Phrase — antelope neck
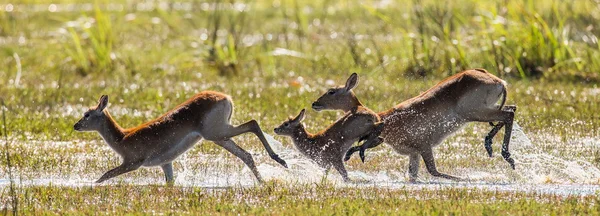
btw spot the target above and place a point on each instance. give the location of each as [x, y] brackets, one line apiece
[355, 103]
[301, 134]
[111, 132]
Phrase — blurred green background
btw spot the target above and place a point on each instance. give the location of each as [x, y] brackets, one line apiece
[275, 58]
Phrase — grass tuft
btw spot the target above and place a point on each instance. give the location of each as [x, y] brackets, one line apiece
[91, 44]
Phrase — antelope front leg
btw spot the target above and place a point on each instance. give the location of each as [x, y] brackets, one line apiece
[373, 140]
[168, 170]
[350, 152]
[430, 164]
[122, 169]
[339, 166]
[361, 148]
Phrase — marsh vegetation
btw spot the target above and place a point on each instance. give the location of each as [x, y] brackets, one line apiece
[59, 56]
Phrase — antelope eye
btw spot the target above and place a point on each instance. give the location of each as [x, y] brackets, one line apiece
[331, 92]
[286, 124]
[86, 115]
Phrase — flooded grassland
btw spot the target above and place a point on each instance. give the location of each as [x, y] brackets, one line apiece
[275, 59]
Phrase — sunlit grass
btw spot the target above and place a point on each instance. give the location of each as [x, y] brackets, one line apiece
[92, 43]
[275, 198]
[275, 58]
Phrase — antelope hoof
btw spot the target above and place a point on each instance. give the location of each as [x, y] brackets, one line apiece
[512, 163]
[347, 157]
[279, 160]
[362, 154]
[507, 158]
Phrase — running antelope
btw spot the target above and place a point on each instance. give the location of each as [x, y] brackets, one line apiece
[416, 125]
[160, 141]
[328, 147]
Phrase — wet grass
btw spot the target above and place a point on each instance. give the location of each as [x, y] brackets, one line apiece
[275, 198]
[274, 59]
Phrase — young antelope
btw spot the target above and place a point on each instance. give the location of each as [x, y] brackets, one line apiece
[328, 147]
[160, 141]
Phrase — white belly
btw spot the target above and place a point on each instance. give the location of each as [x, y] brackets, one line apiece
[170, 153]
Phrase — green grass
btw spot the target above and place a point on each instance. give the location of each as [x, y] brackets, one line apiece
[94, 53]
[275, 198]
[274, 59]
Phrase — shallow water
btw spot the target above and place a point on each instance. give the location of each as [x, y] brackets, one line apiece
[554, 189]
[537, 172]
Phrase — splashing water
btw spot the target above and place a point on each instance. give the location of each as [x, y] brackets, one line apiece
[533, 167]
[538, 167]
[537, 171]
[300, 168]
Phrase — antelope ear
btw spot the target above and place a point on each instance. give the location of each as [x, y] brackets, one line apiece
[351, 82]
[102, 102]
[300, 116]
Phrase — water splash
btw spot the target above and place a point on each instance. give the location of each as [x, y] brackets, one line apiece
[300, 168]
[537, 171]
[537, 167]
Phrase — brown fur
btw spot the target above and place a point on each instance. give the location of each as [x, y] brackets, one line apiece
[328, 147]
[160, 141]
[416, 125]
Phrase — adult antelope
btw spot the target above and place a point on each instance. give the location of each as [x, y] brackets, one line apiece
[159, 141]
[416, 125]
[328, 147]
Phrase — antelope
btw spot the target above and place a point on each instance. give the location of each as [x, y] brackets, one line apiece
[328, 147]
[160, 141]
[416, 125]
